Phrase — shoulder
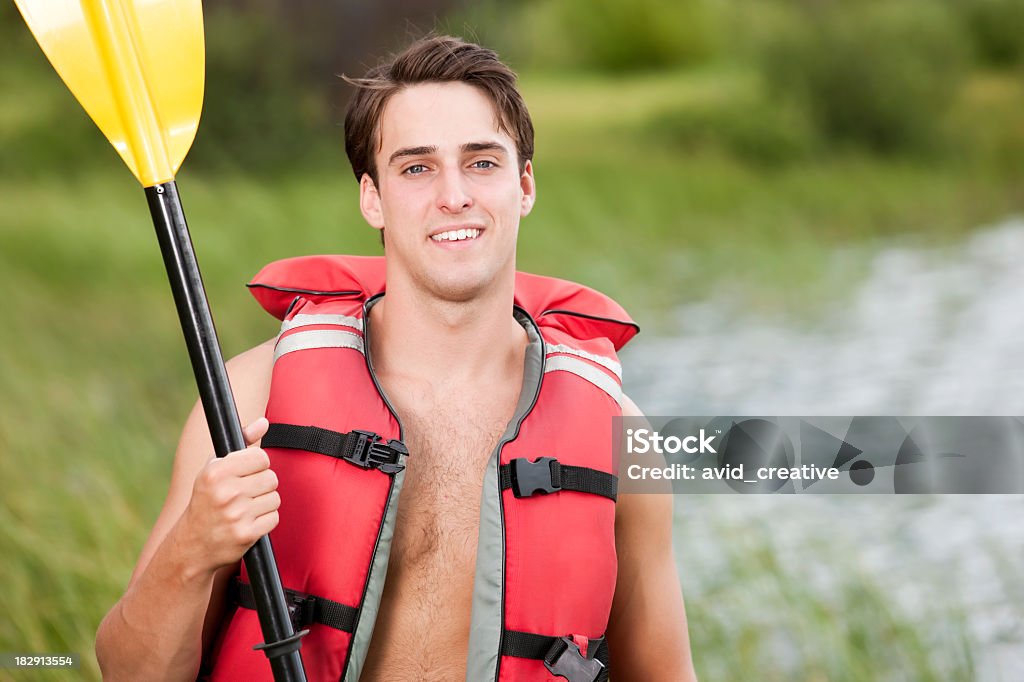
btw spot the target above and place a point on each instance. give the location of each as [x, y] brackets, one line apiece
[254, 365]
[257, 358]
[629, 408]
[249, 373]
[636, 513]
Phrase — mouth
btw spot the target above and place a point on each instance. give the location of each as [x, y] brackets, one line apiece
[457, 235]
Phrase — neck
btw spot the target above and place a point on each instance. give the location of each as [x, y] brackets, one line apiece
[421, 337]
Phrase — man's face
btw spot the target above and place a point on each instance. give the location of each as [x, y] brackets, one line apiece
[449, 191]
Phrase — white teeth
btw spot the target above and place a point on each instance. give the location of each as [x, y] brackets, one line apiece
[456, 235]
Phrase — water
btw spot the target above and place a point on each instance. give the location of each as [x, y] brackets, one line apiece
[935, 331]
[929, 332]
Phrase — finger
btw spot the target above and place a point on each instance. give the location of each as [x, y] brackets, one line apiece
[256, 430]
[245, 462]
[266, 523]
[264, 504]
[259, 483]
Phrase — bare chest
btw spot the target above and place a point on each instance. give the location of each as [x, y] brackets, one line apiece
[438, 512]
[429, 582]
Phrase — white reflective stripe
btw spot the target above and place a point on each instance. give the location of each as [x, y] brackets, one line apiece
[318, 338]
[584, 371]
[301, 320]
[610, 364]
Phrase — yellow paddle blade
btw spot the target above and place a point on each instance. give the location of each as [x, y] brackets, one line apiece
[136, 66]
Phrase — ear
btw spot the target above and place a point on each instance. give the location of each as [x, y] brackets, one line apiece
[369, 202]
[529, 189]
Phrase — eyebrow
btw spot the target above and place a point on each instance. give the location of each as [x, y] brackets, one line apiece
[469, 147]
[411, 151]
[484, 147]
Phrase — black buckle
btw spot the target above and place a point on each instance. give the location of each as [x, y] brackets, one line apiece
[301, 610]
[542, 476]
[564, 659]
[370, 452]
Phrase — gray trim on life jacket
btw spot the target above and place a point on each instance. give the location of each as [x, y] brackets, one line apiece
[370, 603]
[606, 362]
[487, 620]
[317, 338]
[303, 320]
[565, 363]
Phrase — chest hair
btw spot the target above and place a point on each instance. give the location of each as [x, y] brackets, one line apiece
[439, 510]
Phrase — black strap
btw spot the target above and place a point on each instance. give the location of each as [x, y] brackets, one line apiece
[548, 475]
[561, 656]
[362, 448]
[305, 609]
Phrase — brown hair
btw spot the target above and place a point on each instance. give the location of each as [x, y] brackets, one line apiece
[433, 59]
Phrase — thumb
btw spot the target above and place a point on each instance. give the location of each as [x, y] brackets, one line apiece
[256, 430]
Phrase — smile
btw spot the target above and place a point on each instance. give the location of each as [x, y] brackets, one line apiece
[456, 235]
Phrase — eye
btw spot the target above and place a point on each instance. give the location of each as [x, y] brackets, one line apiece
[483, 164]
[415, 169]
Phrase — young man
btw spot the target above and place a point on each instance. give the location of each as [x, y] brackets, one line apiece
[498, 564]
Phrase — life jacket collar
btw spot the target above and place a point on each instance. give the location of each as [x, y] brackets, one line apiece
[578, 310]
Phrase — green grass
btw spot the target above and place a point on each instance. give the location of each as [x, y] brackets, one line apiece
[626, 209]
[758, 611]
[95, 383]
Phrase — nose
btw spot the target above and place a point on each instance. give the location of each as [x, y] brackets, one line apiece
[452, 193]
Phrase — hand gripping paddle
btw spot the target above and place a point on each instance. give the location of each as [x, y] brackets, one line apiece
[136, 66]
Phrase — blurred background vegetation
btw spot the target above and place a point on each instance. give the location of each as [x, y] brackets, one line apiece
[683, 147]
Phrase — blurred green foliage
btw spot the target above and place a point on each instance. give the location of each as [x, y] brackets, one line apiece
[876, 76]
[879, 75]
[258, 90]
[996, 29]
[610, 35]
[751, 129]
[831, 76]
[273, 101]
[36, 134]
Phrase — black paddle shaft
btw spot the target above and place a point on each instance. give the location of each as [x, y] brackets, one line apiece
[282, 647]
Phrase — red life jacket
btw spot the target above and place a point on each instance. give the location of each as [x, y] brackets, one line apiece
[545, 568]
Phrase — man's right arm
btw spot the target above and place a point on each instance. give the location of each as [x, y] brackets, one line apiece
[214, 511]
